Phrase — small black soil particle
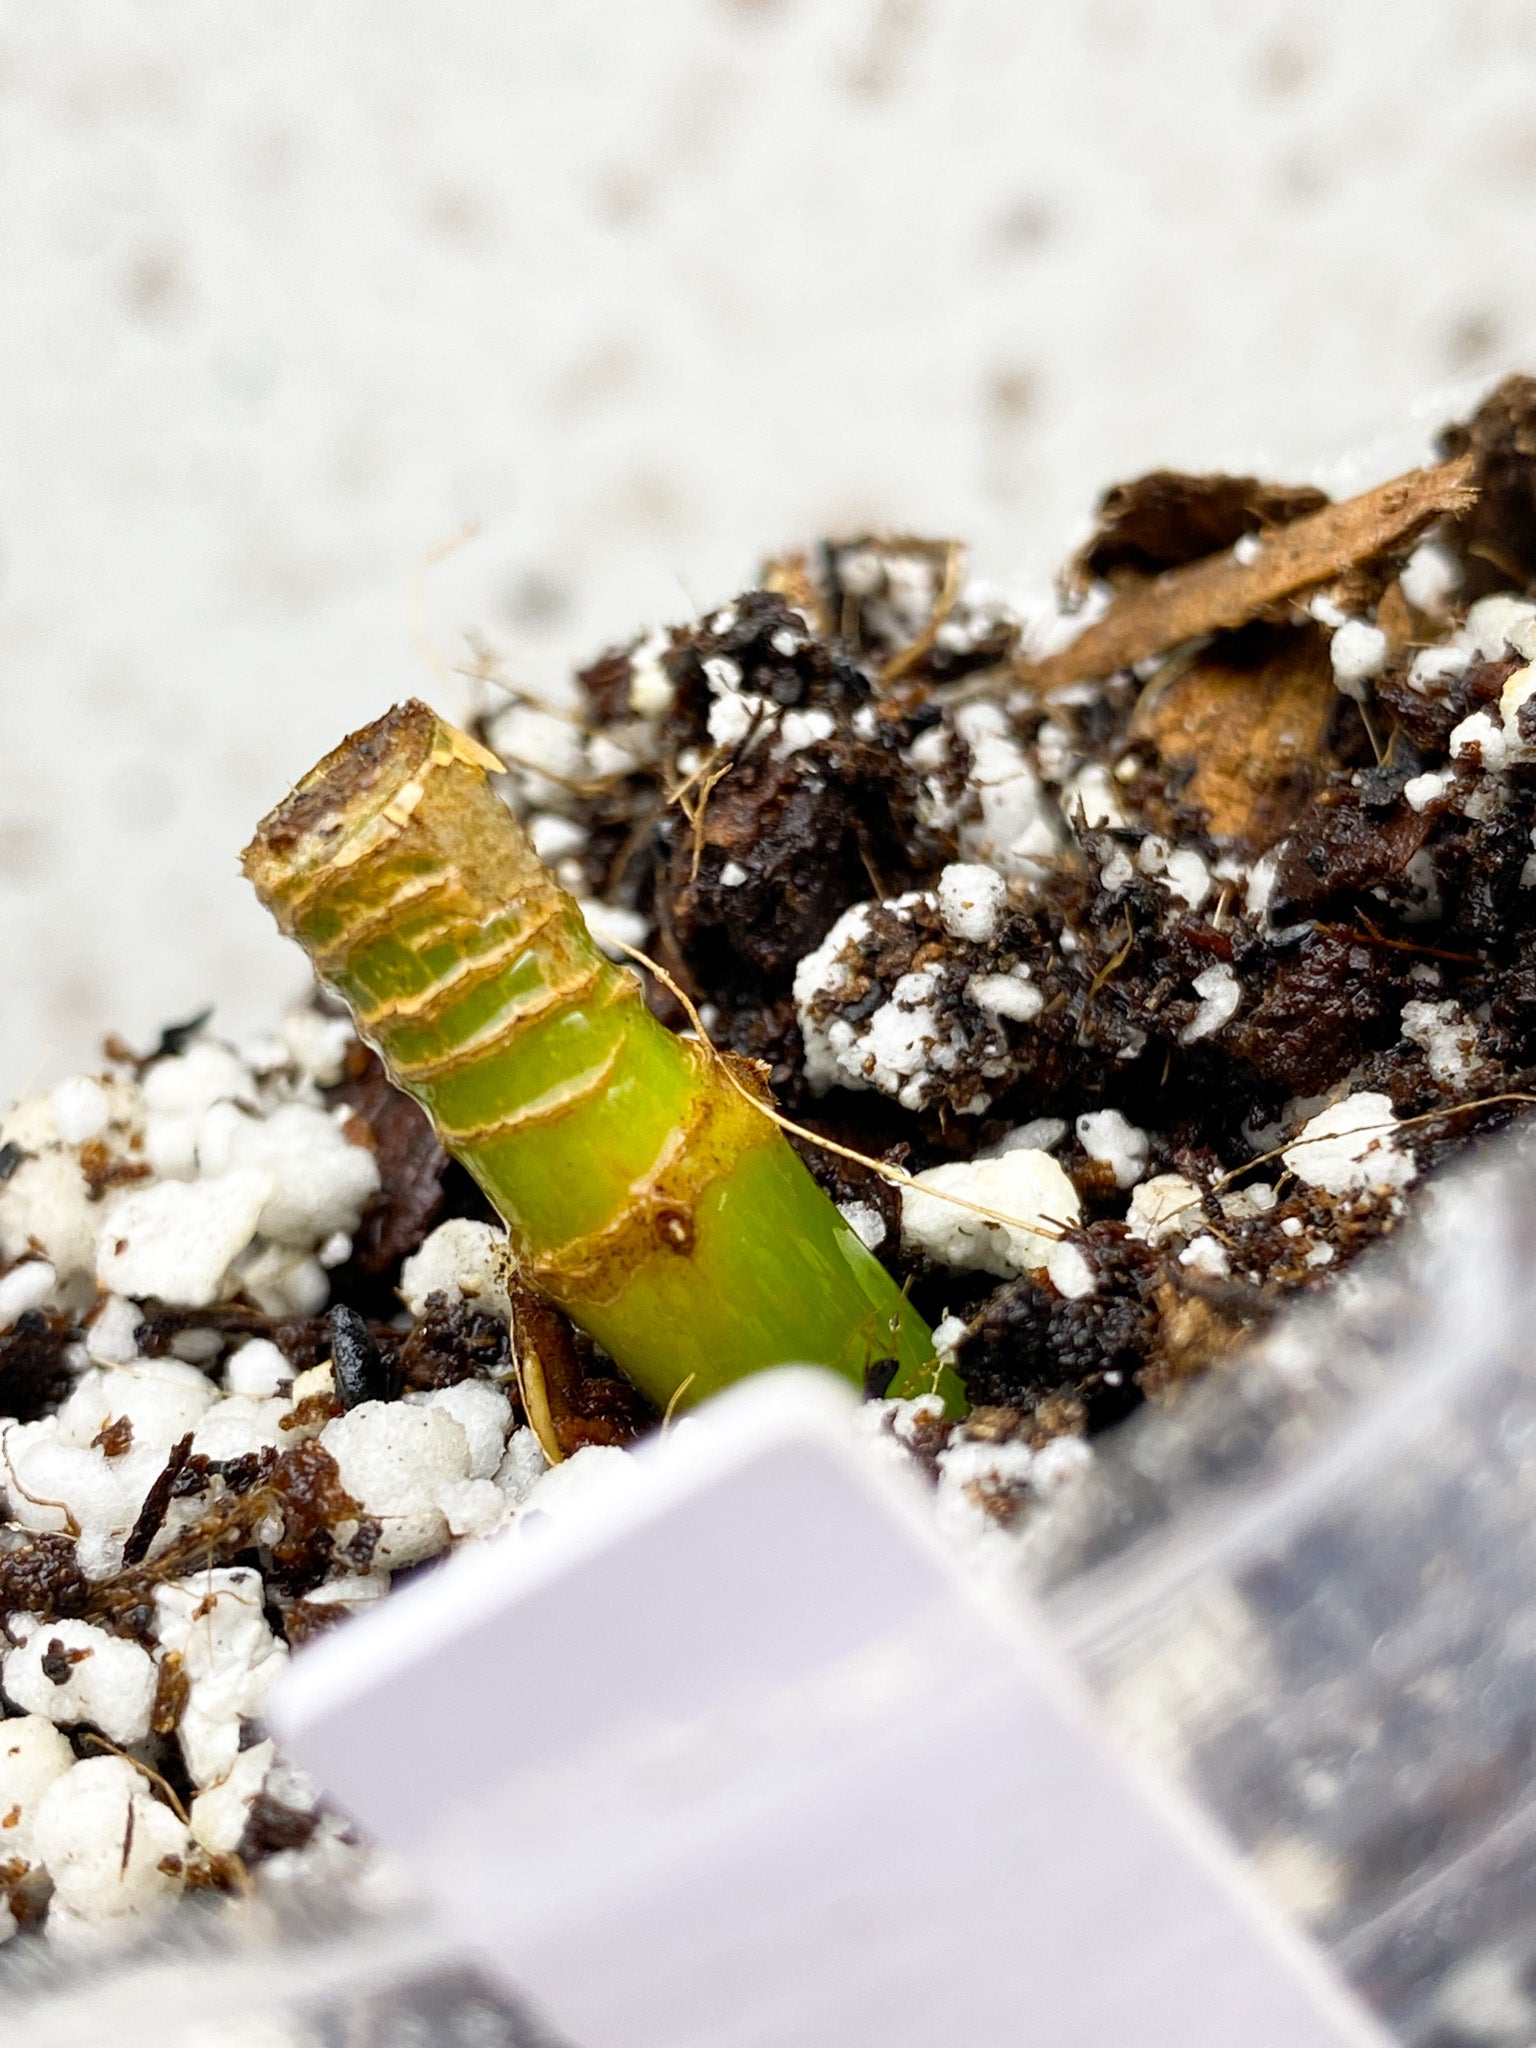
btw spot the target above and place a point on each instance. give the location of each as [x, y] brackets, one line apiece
[34, 1373]
[358, 1367]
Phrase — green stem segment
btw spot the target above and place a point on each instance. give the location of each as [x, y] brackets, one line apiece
[641, 1189]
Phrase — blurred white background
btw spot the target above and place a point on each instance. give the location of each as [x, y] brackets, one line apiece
[290, 293]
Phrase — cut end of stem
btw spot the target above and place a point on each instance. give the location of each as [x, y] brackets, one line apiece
[372, 778]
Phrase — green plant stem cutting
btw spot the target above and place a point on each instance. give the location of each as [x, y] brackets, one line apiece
[643, 1190]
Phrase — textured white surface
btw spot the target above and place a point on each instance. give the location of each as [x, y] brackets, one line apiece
[291, 293]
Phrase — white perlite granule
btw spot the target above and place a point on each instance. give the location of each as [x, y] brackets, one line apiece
[178, 1240]
[1018, 827]
[1423, 790]
[111, 1848]
[650, 687]
[81, 1109]
[800, 729]
[1447, 1036]
[970, 898]
[1024, 1185]
[1117, 873]
[1011, 995]
[1164, 1209]
[59, 1476]
[948, 1335]
[483, 1412]
[1358, 653]
[72, 1672]
[824, 973]
[1499, 625]
[1090, 802]
[1040, 1134]
[319, 1182]
[866, 1223]
[46, 1207]
[28, 1285]
[1206, 1256]
[1430, 576]
[1350, 1149]
[1432, 668]
[1241, 1205]
[220, 1812]
[595, 1471]
[33, 1752]
[215, 1623]
[258, 1370]
[735, 714]
[1220, 994]
[467, 1261]
[1183, 873]
[612, 927]
[555, 838]
[1107, 1137]
[394, 1458]
[544, 755]
[1261, 885]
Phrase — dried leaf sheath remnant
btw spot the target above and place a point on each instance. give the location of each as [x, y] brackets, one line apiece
[1243, 731]
[1167, 518]
[1224, 590]
[642, 1191]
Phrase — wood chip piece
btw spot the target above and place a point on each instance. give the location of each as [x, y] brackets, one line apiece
[1251, 736]
[1223, 591]
[1193, 1335]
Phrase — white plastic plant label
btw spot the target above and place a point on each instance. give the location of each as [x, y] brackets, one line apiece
[740, 1762]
